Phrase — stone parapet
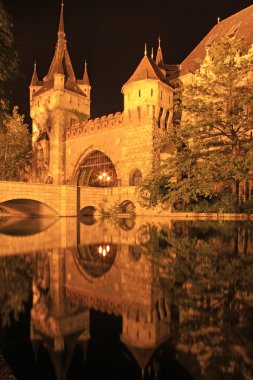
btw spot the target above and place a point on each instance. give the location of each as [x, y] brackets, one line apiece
[95, 125]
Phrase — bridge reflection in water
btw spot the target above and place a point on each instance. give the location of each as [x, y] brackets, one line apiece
[179, 295]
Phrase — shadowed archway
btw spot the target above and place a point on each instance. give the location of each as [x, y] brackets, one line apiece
[28, 207]
[95, 260]
[97, 170]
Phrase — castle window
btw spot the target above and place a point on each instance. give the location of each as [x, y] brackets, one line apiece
[139, 113]
[151, 91]
[49, 100]
[139, 93]
[72, 121]
[166, 120]
[159, 117]
[136, 178]
[70, 100]
[78, 102]
[38, 104]
[161, 95]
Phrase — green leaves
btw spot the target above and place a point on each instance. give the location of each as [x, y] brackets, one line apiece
[212, 130]
[15, 145]
[8, 55]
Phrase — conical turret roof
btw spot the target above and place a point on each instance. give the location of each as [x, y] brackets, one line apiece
[35, 80]
[147, 69]
[159, 56]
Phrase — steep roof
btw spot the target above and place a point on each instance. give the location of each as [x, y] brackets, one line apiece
[85, 80]
[159, 55]
[61, 64]
[147, 69]
[239, 24]
[35, 80]
[85, 76]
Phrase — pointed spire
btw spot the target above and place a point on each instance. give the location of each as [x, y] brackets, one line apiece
[159, 55]
[35, 79]
[145, 49]
[61, 33]
[85, 75]
[61, 63]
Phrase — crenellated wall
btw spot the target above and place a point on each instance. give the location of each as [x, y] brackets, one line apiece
[95, 125]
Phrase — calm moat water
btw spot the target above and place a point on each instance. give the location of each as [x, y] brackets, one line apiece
[126, 299]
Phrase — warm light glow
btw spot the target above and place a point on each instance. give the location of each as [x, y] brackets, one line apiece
[100, 177]
[103, 250]
[104, 174]
[108, 178]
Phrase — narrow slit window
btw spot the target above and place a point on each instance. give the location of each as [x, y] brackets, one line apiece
[159, 117]
[166, 120]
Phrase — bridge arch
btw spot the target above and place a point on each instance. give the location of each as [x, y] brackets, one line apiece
[88, 211]
[95, 169]
[127, 206]
[27, 206]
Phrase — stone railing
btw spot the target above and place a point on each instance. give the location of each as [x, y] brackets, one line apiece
[95, 125]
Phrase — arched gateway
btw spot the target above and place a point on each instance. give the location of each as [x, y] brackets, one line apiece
[97, 170]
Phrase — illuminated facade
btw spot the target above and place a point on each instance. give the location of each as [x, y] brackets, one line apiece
[119, 149]
[69, 148]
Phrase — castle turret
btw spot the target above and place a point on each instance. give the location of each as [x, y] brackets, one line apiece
[148, 90]
[35, 84]
[84, 84]
[148, 99]
[57, 102]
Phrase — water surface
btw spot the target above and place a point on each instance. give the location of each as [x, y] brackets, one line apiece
[127, 299]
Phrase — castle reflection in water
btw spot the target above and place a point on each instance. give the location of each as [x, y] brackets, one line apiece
[181, 292]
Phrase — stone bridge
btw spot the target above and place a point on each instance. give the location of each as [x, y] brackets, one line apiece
[35, 199]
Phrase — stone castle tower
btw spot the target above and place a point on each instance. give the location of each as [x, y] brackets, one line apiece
[71, 149]
[56, 102]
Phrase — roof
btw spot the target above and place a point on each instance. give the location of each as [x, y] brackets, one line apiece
[85, 80]
[142, 355]
[147, 69]
[61, 64]
[239, 24]
[35, 80]
[159, 57]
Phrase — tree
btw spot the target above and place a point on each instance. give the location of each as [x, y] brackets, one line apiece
[212, 130]
[8, 56]
[15, 146]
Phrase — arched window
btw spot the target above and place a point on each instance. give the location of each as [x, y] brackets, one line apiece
[135, 178]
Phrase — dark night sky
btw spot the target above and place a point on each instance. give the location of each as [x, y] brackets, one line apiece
[110, 34]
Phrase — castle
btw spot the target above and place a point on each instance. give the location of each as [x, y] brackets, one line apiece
[113, 150]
